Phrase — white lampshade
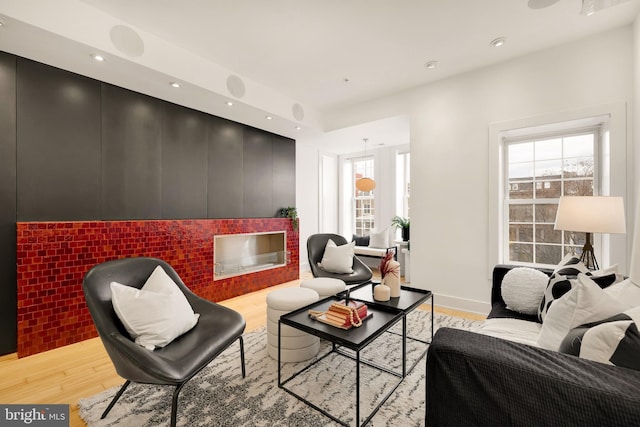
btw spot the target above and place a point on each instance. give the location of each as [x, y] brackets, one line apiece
[591, 214]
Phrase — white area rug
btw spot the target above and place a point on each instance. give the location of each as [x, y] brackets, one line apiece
[219, 396]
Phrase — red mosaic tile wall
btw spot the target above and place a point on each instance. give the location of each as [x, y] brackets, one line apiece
[53, 258]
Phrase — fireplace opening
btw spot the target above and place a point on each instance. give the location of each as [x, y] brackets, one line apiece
[237, 254]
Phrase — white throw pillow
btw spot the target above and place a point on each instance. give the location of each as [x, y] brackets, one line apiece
[565, 276]
[380, 239]
[156, 314]
[625, 292]
[338, 259]
[614, 341]
[585, 303]
[523, 289]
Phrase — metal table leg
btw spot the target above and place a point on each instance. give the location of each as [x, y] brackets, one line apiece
[358, 387]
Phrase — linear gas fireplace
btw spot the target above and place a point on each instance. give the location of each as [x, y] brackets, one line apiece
[237, 254]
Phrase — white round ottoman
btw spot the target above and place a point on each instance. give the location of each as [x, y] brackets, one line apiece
[296, 345]
[324, 286]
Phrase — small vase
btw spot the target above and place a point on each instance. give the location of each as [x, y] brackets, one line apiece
[393, 282]
[381, 293]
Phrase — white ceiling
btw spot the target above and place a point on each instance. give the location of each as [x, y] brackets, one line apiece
[295, 51]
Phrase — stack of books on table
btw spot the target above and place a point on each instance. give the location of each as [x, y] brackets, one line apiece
[341, 317]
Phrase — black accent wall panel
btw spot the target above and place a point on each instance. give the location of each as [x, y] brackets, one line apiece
[8, 289]
[258, 174]
[73, 148]
[59, 151]
[131, 155]
[225, 177]
[184, 162]
[284, 176]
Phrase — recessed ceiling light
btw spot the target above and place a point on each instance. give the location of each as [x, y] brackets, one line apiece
[98, 58]
[175, 84]
[498, 42]
[230, 104]
[298, 128]
[269, 117]
[431, 65]
[1, 24]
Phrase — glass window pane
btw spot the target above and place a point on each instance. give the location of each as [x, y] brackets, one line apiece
[521, 190]
[575, 238]
[520, 252]
[520, 152]
[578, 167]
[549, 149]
[520, 171]
[546, 234]
[520, 213]
[573, 250]
[544, 170]
[549, 168]
[521, 233]
[578, 187]
[578, 146]
[546, 213]
[548, 189]
[548, 254]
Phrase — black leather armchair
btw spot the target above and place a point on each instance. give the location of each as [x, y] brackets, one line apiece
[217, 328]
[315, 249]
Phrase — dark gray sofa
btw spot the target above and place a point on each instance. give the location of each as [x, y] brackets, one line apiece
[478, 380]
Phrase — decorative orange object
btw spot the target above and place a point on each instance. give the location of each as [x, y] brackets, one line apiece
[365, 184]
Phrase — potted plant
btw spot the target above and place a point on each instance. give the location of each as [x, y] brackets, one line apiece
[403, 224]
[292, 213]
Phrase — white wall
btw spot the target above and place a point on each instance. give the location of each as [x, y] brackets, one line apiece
[449, 148]
[635, 112]
[307, 183]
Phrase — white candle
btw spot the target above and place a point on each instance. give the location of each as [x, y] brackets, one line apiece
[381, 293]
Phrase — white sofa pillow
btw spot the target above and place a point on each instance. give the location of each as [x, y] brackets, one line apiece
[585, 303]
[626, 292]
[157, 313]
[523, 288]
[380, 239]
[613, 341]
[564, 278]
[338, 259]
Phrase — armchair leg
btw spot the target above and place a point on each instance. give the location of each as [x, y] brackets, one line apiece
[242, 355]
[174, 404]
[115, 398]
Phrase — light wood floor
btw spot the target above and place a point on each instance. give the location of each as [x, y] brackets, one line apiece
[66, 374]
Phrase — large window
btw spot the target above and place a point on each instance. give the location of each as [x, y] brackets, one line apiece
[540, 169]
[363, 201]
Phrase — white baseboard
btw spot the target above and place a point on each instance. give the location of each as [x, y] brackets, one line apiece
[304, 267]
[456, 303]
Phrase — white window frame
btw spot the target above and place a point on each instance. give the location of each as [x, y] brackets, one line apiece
[369, 173]
[596, 131]
[615, 155]
[403, 181]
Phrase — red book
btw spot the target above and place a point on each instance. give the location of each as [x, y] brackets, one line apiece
[342, 316]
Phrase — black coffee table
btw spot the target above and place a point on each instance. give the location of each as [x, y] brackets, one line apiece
[384, 316]
[410, 299]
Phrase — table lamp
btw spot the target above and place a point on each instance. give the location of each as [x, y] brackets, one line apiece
[590, 214]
